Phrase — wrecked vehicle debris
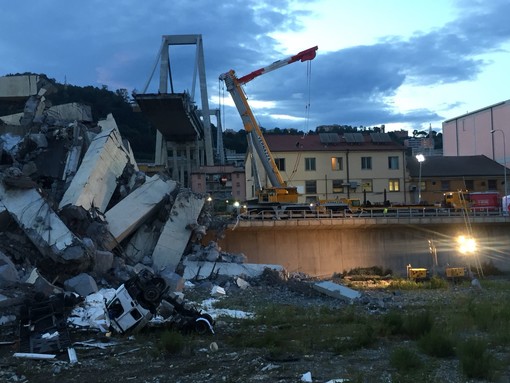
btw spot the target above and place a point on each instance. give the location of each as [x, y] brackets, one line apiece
[136, 302]
[189, 319]
[42, 325]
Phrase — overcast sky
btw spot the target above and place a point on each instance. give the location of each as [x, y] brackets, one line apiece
[405, 64]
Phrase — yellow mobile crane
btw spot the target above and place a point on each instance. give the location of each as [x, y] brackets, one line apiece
[279, 192]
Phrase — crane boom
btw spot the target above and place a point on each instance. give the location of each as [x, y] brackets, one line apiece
[306, 55]
[280, 191]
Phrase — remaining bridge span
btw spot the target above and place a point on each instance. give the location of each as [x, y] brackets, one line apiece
[172, 114]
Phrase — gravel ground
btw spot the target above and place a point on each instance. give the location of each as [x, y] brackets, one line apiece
[138, 358]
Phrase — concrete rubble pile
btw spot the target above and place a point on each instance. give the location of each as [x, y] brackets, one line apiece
[76, 214]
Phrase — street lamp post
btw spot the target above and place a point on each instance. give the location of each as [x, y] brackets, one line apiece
[504, 159]
[420, 158]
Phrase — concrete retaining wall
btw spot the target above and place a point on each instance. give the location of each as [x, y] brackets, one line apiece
[324, 250]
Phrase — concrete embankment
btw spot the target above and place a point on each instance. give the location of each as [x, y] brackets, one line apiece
[322, 247]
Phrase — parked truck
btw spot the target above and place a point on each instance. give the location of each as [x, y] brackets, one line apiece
[485, 200]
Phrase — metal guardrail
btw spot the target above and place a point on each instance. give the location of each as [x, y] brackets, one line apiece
[389, 213]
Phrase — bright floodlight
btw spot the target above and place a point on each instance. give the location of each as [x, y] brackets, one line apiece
[420, 158]
[236, 204]
[209, 199]
[466, 245]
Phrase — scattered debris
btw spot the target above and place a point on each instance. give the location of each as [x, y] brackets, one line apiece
[27, 355]
[337, 291]
[80, 222]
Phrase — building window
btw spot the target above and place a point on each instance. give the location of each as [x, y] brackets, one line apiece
[311, 187]
[238, 184]
[366, 185]
[309, 164]
[423, 185]
[337, 163]
[338, 186]
[393, 162]
[366, 163]
[394, 185]
[492, 184]
[280, 164]
[470, 185]
[445, 185]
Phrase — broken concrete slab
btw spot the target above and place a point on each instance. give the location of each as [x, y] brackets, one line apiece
[241, 283]
[218, 291]
[41, 285]
[175, 235]
[69, 112]
[141, 244]
[203, 270]
[103, 262]
[34, 108]
[16, 87]
[80, 142]
[12, 119]
[96, 179]
[336, 291]
[131, 212]
[42, 225]
[82, 284]
[8, 273]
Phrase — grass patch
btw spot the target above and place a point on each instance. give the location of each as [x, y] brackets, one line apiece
[299, 329]
[368, 271]
[172, 342]
[405, 360]
[361, 337]
[393, 323]
[437, 343]
[287, 331]
[417, 324]
[408, 284]
[475, 359]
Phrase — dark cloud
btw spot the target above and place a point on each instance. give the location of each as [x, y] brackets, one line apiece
[116, 43]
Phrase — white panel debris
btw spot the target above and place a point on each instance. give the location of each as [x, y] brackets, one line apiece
[131, 212]
[176, 233]
[103, 163]
[39, 222]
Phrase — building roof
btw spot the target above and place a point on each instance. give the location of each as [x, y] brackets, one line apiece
[455, 166]
[476, 111]
[331, 142]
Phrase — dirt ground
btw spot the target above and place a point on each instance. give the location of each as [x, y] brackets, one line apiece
[140, 358]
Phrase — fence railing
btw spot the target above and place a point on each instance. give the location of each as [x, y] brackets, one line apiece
[390, 213]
